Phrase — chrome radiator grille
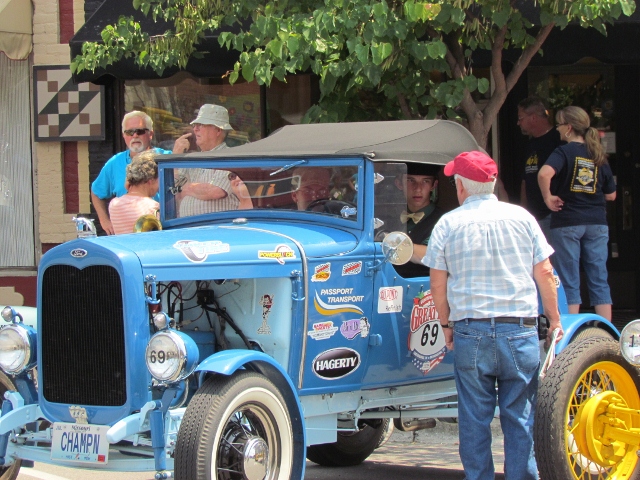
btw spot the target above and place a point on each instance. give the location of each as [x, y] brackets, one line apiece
[82, 336]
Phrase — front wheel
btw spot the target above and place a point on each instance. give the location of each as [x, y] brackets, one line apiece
[235, 428]
[571, 435]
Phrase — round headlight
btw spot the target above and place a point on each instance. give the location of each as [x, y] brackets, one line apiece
[630, 342]
[171, 356]
[17, 348]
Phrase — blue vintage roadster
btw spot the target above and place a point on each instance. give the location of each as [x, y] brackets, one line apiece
[235, 344]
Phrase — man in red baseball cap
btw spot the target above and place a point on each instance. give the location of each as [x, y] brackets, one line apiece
[486, 258]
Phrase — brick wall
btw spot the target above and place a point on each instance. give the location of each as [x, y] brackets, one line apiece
[50, 47]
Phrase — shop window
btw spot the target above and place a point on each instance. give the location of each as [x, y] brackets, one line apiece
[173, 103]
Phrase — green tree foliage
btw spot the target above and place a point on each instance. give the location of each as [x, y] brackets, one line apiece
[375, 58]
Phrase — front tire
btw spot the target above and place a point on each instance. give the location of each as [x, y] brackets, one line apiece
[235, 428]
[567, 445]
[11, 472]
[351, 448]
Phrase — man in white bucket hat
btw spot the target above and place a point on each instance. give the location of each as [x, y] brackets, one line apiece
[210, 128]
[208, 190]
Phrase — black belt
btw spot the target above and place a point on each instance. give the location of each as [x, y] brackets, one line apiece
[528, 321]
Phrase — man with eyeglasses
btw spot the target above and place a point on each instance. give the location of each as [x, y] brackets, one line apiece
[534, 121]
[209, 190]
[137, 131]
[310, 184]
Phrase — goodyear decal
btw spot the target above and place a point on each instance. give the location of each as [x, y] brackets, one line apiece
[325, 309]
[426, 340]
[322, 273]
[280, 253]
[199, 251]
[352, 268]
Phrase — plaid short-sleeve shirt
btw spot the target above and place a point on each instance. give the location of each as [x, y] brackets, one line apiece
[489, 249]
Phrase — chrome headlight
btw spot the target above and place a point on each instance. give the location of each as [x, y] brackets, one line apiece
[630, 342]
[171, 356]
[18, 346]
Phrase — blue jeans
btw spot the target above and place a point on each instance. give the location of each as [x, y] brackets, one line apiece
[486, 353]
[589, 244]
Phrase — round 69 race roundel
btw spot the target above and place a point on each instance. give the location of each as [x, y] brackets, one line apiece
[426, 340]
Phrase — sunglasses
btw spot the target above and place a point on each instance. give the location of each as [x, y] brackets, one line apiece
[137, 131]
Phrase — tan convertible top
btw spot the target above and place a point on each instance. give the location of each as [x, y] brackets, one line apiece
[422, 141]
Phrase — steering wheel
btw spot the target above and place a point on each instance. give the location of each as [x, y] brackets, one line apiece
[327, 205]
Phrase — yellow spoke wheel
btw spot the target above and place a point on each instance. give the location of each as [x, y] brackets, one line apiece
[575, 436]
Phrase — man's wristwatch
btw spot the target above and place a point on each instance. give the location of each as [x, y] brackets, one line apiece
[446, 325]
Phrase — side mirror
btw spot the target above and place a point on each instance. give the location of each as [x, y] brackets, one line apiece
[397, 248]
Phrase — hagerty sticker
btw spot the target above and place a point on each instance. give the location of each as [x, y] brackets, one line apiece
[426, 340]
[322, 330]
[280, 253]
[390, 300]
[322, 273]
[199, 251]
[336, 363]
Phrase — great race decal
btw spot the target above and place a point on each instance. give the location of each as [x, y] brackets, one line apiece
[426, 340]
[322, 273]
[280, 253]
[267, 302]
[198, 252]
[336, 363]
[390, 300]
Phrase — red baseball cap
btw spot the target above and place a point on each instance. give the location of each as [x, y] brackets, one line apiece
[473, 165]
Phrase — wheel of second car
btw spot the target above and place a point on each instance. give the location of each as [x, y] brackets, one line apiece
[352, 448]
[11, 472]
[582, 414]
[235, 428]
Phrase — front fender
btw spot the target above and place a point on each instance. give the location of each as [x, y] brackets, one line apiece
[229, 361]
[572, 323]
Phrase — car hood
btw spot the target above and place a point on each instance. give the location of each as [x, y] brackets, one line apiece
[234, 250]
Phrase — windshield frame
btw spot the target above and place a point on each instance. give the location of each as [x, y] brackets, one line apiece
[168, 221]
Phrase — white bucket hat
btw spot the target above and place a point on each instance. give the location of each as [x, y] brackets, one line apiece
[210, 114]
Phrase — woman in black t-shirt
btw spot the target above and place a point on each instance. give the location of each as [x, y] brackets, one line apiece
[576, 181]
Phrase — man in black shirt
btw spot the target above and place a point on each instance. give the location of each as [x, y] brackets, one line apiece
[534, 121]
[421, 216]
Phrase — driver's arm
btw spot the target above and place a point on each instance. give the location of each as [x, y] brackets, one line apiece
[419, 252]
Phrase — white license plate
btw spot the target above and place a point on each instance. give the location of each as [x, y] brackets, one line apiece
[74, 442]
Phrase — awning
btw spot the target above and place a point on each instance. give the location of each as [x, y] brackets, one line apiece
[16, 28]
[216, 61]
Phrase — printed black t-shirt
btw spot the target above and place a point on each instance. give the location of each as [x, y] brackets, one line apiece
[537, 153]
[581, 185]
